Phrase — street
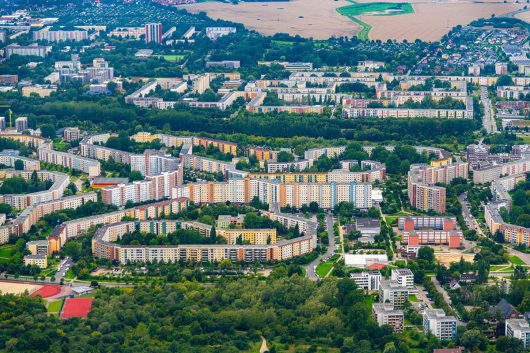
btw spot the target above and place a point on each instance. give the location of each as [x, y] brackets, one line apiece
[63, 268]
[488, 120]
[310, 267]
[445, 295]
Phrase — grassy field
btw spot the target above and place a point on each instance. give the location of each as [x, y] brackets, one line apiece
[5, 253]
[173, 58]
[55, 307]
[281, 43]
[324, 268]
[516, 260]
[69, 274]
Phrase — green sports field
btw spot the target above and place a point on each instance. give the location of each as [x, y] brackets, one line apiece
[373, 9]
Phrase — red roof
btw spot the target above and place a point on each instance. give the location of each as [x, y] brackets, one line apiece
[376, 267]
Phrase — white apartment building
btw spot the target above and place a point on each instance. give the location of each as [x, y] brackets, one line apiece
[367, 280]
[520, 329]
[404, 277]
[438, 324]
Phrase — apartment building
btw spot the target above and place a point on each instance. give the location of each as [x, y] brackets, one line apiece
[289, 220]
[21, 124]
[439, 325]
[128, 32]
[153, 33]
[39, 90]
[72, 134]
[404, 277]
[21, 201]
[103, 246]
[50, 35]
[248, 236]
[27, 50]
[330, 152]
[89, 166]
[520, 329]
[327, 195]
[38, 247]
[422, 192]
[153, 162]
[8, 159]
[206, 164]
[223, 146]
[385, 314]
[369, 281]
[36, 260]
[492, 172]
[391, 292]
[151, 189]
[215, 32]
[284, 167]
[32, 214]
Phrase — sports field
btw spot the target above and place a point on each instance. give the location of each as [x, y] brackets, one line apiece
[47, 291]
[18, 287]
[173, 58]
[76, 307]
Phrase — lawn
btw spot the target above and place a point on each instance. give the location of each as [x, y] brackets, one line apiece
[324, 268]
[5, 251]
[281, 42]
[69, 274]
[413, 298]
[55, 307]
[516, 260]
[173, 58]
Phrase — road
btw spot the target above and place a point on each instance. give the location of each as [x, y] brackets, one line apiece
[488, 120]
[310, 267]
[63, 268]
[445, 295]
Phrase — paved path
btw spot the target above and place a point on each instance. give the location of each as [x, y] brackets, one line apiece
[263, 347]
[310, 267]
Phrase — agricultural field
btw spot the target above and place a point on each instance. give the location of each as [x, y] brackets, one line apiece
[388, 19]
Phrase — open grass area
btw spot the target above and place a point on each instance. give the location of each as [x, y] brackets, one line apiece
[516, 260]
[55, 307]
[69, 274]
[324, 268]
[5, 253]
[281, 42]
[413, 298]
[373, 9]
[173, 58]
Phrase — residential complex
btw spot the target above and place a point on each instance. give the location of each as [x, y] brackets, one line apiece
[89, 166]
[369, 281]
[392, 292]
[423, 194]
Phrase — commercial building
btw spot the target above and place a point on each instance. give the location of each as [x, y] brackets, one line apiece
[520, 329]
[365, 260]
[391, 292]
[418, 230]
[369, 281]
[439, 325]
[385, 314]
[226, 64]
[368, 227]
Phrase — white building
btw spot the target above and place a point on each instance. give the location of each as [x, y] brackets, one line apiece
[391, 292]
[438, 324]
[404, 277]
[520, 329]
[364, 260]
[367, 280]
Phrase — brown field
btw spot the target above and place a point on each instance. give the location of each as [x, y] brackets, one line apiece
[453, 256]
[17, 288]
[430, 21]
[320, 20]
[525, 16]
